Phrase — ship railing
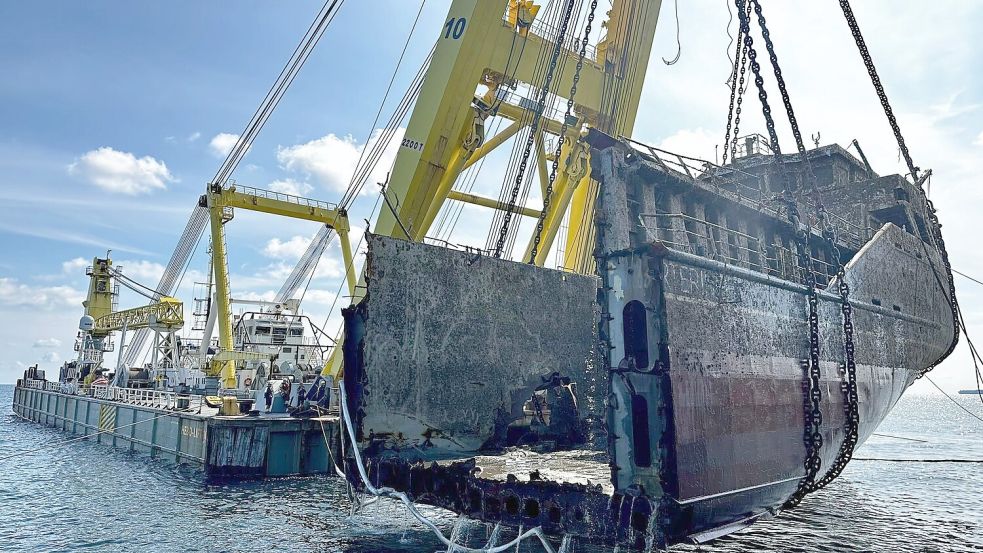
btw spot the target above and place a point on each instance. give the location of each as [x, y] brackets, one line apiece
[157, 399]
[36, 384]
[696, 236]
[280, 196]
[692, 235]
[749, 189]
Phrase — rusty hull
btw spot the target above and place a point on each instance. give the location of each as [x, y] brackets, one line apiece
[694, 425]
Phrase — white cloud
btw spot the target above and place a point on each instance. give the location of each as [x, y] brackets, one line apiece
[194, 136]
[222, 143]
[51, 357]
[47, 343]
[121, 172]
[289, 249]
[292, 187]
[145, 272]
[331, 159]
[979, 140]
[16, 294]
[75, 266]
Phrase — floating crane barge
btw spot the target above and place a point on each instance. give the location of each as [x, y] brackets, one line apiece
[719, 340]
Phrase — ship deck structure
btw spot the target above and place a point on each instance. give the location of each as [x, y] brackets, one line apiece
[711, 346]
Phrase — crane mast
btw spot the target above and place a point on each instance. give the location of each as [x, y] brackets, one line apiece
[486, 51]
[445, 134]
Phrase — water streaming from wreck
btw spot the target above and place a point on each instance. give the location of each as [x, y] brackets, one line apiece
[88, 496]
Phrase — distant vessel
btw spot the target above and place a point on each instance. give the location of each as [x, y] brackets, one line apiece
[971, 392]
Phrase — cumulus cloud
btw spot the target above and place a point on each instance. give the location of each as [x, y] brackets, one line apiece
[979, 140]
[289, 249]
[292, 187]
[194, 136]
[47, 343]
[222, 143]
[17, 294]
[331, 159]
[145, 272]
[74, 266]
[121, 172]
[51, 357]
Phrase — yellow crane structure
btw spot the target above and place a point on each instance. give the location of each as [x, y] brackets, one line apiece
[164, 316]
[487, 50]
[445, 134]
[221, 202]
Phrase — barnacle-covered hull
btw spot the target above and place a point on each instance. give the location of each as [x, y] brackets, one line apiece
[666, 400]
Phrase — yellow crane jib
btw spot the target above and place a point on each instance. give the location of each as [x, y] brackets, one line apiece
[219, 200]
[166, 314]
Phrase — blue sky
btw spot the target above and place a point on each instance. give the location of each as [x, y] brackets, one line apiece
[112, 115]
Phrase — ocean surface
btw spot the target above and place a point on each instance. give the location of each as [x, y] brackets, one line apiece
[82, 496]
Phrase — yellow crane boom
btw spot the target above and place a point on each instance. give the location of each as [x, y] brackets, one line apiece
[221, 202]
[166, 314]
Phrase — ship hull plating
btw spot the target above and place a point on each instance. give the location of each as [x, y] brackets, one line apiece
[696, 427]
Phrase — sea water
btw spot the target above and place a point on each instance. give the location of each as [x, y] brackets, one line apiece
[83, 496]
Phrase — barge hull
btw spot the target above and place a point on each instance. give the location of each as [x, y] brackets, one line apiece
[228, 447]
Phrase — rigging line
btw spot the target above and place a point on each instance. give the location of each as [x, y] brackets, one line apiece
[243, 145]
[553, 96]
[133, 285]
[950, 398]
[392, 80]
[388, 492]
[679, 46]
[411, 94]
[385, 197]
[964, 275]
[283, 71]
[271, 102]
[351, 265]
[899, 438]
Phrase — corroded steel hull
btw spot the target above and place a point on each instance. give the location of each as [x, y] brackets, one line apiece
[696, 426]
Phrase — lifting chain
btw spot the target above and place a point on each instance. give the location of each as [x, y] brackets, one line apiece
[567, 117]
[534, 129]
[878, 87]
[936, 229]
[812, 433]
[736, 91]
[849, 386]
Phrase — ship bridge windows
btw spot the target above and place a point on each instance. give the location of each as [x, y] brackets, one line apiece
[296, 331]
[634, 326]
[261, 331]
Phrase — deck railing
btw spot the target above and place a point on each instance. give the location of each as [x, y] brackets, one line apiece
[147, 398]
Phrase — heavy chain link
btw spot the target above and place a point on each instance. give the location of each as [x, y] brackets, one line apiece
[534, 128]
[812, 413]
[936, 229]
[849, 368]
[878, 87]
[736, 92]
[851, 404]
[547, 197]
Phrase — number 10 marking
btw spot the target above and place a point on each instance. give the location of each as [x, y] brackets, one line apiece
[455, 27]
